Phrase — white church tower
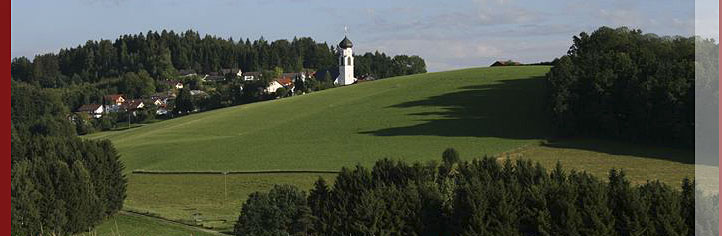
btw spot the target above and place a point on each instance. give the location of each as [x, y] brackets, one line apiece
[345, 63]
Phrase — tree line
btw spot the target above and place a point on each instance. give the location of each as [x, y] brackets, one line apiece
[60, 184]
[162, 54]
[140, 65]
[477, 197]
[623, 84]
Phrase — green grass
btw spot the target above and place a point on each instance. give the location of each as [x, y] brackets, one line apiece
[477, 111]
[598, 157]
[123, 224]
[208, 200]
[483, 111]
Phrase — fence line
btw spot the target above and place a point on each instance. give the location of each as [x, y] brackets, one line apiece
[160, 172]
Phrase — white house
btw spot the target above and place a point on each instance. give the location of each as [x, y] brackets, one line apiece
[345, 63]
[94, 110]
[251, 76]
[273, 86]
[115, 99]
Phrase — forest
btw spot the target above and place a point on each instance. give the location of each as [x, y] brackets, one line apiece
[626, 85]
[477, 197]
[61, 184]
[139, 66]
[162, 54]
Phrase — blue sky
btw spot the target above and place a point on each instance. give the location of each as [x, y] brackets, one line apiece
[447, 34]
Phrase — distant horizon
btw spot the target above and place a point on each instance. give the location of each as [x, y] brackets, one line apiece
[450, 36]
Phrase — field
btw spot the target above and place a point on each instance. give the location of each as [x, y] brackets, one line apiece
[206, 200]
[484, 111]
[128, 224]
[478, 111]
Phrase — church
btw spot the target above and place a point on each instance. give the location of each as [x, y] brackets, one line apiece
[345, 63]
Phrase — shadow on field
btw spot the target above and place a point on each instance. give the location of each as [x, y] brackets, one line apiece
[512, 108]
[621, 148]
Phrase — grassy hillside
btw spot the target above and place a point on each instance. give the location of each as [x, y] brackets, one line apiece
[127, 224]
[207, 200]
[484, 111]
[477, 111]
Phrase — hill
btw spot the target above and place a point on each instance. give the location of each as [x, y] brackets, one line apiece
[483, 111]
[498, 111]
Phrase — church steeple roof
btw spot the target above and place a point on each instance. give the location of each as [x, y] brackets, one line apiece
[345, 43]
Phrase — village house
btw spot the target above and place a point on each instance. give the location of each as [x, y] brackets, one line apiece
[301, 75]
[214, 78]
[94, 110]
[132, 105]
[506, 63]
[237, 72]
[283, 82]
[174, 84]
[247, 76]
[114, 99]
[163, 98]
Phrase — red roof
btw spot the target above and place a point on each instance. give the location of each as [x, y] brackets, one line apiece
[113, 97]
[285, 81]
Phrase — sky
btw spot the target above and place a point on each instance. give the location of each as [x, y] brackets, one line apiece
[447, 34]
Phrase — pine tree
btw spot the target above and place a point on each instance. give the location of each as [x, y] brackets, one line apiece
[687, 200]
[24, 201]
[318, 201]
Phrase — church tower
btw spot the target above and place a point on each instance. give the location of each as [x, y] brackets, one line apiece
[345, 63]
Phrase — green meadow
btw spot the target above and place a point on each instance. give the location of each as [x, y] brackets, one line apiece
[498, 112]
[482, 111]
[128, 224]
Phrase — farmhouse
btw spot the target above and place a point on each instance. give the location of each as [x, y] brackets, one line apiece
[506, 63]
[251, 75]
[132, 105]
[235, 71]
[300, 75]
[273, 86]
[162, 97]
[214, 78]
[94, 110]
[114, 99]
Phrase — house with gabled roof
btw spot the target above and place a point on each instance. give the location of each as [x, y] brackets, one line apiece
[251, 75]
[114, 99]
[94, 110]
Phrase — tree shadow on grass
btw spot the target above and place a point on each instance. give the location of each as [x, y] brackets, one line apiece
[512, 109]
[627, 149]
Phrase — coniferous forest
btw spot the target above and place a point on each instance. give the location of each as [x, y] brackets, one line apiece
[61, 184]
[477, 197]
[139, 66]
[162, 54]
